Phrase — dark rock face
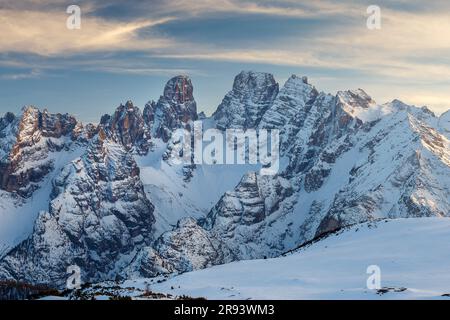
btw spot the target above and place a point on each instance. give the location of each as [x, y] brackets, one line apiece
[243, 107]
[99, 215]
[127, 126]
[175, 109]
[28, 143]
[244, 205]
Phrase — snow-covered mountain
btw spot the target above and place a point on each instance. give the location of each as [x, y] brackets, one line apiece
[110, 199]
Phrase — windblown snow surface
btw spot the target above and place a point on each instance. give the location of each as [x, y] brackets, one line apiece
[412, 255]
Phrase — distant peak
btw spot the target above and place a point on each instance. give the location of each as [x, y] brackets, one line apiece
[426, 110]
[8, 117]
[294, 77]
[126, 108]
[356, 98]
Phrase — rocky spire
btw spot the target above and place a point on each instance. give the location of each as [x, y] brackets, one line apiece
[176, 108]
[126, 126]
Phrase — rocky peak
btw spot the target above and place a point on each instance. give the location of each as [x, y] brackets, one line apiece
[426, 110]
[352, 109]
[176, 108]
[49, 124]
[243, 107]
[248, 80]
[179, 90]
[178, 93]
[28, 142]
[398, 105]
[126, 126]
[7, 119]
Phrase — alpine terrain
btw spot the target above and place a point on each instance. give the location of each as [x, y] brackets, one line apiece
[111, 198]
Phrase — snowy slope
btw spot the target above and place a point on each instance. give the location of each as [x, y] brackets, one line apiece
[411, 253]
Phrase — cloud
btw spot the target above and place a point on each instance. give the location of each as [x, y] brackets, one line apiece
[45, 33]
[406, 47]
[287, 8]
[34, 73]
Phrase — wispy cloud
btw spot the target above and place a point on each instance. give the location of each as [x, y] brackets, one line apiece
[34, 73]
[45, 33]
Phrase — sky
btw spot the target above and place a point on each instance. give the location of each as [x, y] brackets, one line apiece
[127, 50]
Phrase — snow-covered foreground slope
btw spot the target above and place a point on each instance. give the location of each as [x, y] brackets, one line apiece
[411, 253]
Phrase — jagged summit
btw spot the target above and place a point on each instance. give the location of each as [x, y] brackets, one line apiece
[176, 108]
[243, 107]
[246, 80]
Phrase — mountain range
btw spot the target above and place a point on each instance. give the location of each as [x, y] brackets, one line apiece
[109, 197]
